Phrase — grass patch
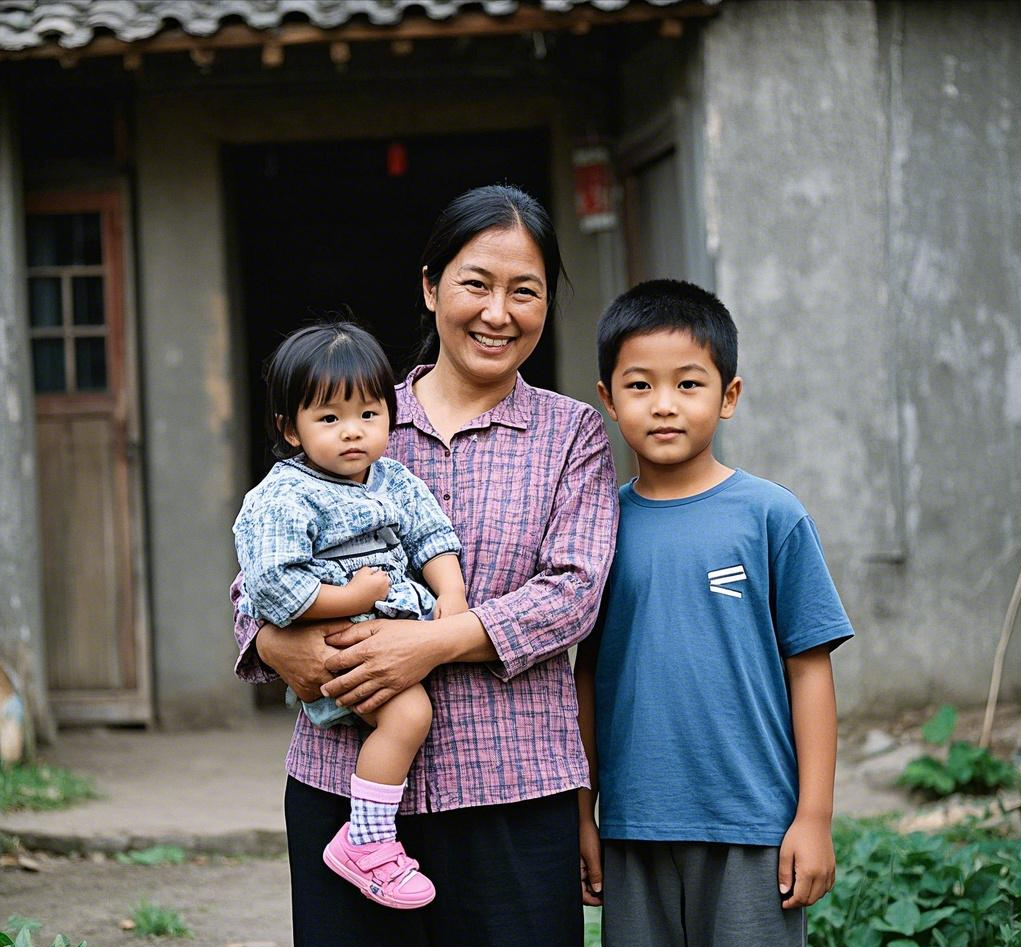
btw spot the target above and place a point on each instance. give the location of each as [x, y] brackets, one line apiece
[157, 855]
[41, 787]
[153, 920]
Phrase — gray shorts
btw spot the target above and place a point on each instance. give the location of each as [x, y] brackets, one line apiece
[695, 894]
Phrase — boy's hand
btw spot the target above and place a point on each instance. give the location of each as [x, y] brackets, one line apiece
[808, 866]
[452, 603]
[591, 863]
[371, 585]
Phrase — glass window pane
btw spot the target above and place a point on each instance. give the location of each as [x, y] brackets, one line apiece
[49, 240]
[90, 363]
[44, 301]
[86, 240]
[48, 365]
[64, 239]
[87, 292]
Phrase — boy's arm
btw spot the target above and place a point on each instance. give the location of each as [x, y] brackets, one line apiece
[443, 573]
[591, 853]
[807, 864]
[367, 586]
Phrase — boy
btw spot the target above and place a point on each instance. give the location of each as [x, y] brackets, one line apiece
[707, 683]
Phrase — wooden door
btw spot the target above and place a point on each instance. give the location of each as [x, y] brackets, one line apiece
[96, 649]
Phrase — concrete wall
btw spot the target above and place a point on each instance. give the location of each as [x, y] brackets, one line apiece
[863, 225]
[21, 627]
[194, 400]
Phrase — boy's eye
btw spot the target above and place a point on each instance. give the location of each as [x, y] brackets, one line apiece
[688, 384]
[637, 385]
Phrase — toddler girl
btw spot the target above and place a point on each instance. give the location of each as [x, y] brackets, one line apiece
[331, 532]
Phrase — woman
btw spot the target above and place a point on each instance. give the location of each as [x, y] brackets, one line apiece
[526, 477]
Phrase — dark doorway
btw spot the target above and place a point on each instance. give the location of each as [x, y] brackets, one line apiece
[320, 224]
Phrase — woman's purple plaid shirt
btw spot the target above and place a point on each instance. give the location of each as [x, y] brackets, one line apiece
[530, 489]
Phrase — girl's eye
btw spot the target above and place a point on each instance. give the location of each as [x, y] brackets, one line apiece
[637, 385]
[328, 418]
[368, 415]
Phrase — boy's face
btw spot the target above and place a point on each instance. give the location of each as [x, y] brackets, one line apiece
[667, 396]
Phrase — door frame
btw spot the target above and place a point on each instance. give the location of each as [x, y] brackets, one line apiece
[112, 705]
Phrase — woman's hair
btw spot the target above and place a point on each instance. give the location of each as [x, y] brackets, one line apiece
[496, 206]
[315, 364]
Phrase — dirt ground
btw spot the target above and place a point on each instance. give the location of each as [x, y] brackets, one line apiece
[243, 902]
[235, 902]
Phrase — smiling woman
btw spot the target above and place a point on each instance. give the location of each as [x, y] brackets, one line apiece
[526, 477]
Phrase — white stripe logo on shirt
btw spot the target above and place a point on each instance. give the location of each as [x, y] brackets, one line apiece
[719, 579]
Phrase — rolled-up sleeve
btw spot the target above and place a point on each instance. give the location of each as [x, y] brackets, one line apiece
[558, 606]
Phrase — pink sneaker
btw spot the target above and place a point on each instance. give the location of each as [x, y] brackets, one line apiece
[380, 870]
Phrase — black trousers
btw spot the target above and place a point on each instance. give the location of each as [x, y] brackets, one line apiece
[505, 876]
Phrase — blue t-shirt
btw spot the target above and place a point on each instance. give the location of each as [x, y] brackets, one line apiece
[707, 596]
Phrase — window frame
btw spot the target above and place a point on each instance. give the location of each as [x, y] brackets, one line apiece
[108, 205]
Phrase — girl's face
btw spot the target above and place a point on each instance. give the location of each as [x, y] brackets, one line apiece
[342, 436]
[490, 305]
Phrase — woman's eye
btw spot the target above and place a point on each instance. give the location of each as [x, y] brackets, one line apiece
[526, 291]
[474, 284]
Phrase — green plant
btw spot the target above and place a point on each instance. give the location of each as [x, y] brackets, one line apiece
[19, 932]
[152, 920]
[37, 786]
[157, 855]
[967, 768]
[919, 891]
[593, 927]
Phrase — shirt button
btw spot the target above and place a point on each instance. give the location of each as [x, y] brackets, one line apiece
[446, 496]
[446, 453]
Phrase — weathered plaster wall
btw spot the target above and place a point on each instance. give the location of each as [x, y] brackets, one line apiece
[194, 400]
[954, 97]
[21, 628]
[863, 222]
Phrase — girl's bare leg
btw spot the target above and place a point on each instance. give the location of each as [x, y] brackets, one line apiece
[400, 728]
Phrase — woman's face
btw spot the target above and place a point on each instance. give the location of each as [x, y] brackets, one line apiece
[490, 305]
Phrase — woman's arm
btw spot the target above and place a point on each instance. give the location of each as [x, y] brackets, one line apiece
[297, 654]
[558, 606]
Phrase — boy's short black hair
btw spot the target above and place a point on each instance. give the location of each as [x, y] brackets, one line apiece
[670, 305]
[314, 364]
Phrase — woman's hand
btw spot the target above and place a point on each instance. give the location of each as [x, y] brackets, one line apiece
[380, 658]
[298, 654]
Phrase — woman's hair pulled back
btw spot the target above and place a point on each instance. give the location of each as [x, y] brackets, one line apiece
[495, 206]
[313, 365]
